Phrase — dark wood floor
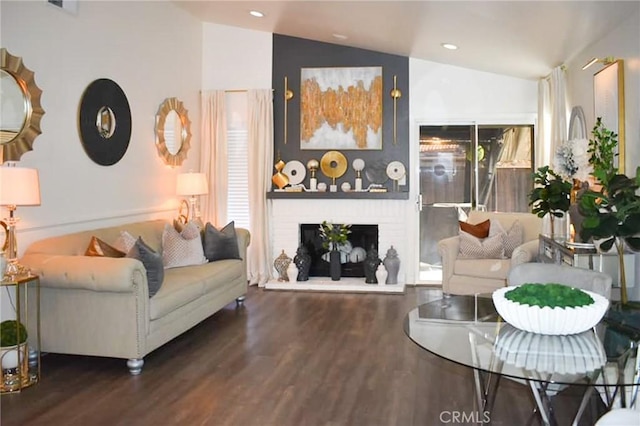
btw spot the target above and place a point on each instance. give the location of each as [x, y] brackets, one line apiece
[286, 358]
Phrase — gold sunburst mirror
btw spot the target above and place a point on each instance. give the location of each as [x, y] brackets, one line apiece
[173, 132]
[20, 112]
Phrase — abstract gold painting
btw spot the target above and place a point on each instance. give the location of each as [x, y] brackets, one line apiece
[341, 108]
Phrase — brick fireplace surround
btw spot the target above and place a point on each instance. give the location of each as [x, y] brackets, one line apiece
[389, 215]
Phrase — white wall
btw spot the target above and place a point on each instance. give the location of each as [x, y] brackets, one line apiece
[153, 51]
[622, 43]
[235, 59]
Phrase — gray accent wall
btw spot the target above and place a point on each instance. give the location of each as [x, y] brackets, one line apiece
[290, 55]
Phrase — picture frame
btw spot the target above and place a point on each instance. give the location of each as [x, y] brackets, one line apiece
[341, 108]
[608, 91]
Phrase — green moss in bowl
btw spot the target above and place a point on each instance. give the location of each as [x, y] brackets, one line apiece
[552, 295]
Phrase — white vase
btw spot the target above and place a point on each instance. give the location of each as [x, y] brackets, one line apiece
[292, 272]
[381, 274]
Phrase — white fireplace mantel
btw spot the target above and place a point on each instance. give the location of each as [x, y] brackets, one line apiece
[389, 215]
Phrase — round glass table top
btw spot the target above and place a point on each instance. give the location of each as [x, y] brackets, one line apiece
[468, 331]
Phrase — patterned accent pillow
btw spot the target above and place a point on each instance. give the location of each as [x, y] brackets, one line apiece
[182, 248]
[479, 248]
[125, 242]
[222, 244]
[152, 262]
[511, 238]
[478, 230]
[99, 248]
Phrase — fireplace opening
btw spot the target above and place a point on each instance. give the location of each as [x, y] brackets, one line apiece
[361, 239]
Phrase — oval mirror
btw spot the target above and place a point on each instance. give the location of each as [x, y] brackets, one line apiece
[20, 109]
[106, 122]
[577, 124]
[173, 132]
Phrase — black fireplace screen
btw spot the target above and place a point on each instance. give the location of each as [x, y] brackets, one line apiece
[362, 238]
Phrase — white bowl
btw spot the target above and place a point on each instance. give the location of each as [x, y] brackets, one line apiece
[554, 321]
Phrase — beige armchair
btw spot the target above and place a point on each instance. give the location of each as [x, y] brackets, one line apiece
[470, 276]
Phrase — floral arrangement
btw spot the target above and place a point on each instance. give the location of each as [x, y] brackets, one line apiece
[333, 235]
[571, 160]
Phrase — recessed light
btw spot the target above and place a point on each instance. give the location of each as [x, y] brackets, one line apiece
[339, 36]
[449, 46]
[256, 13]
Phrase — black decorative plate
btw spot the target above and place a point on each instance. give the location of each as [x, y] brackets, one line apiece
[105, 122]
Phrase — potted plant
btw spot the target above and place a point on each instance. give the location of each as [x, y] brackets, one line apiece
[333, 236]
[551, 196]
[612, 213]
[13, 338]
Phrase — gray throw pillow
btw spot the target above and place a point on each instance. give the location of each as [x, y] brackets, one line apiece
[152, 262]
[222, 244]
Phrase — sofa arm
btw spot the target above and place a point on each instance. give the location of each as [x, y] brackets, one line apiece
[448, 249]
[244, 239]
[525, 253]
[103, 274]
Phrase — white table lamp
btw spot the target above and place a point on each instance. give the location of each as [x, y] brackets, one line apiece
[192, 184]
[18, 187]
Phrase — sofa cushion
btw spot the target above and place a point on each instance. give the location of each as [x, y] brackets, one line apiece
[182, 248]
[482, 268]
[480, 248]
[181, 286]
[479, 230]
[220, 244]
[99, 248]
[125, 241]
[152, 262]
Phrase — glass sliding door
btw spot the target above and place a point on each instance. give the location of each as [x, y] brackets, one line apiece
[465, 167]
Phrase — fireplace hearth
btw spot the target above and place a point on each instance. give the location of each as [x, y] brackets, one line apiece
[363, 236]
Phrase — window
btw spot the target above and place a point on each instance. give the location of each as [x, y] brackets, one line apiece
[237, 154]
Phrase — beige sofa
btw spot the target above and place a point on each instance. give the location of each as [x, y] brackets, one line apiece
[100, 306]
[470, 276]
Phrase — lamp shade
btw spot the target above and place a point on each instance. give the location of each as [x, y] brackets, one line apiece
[192, 184]
[19, 186]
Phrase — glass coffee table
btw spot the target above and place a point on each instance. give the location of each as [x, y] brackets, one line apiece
[468, 331]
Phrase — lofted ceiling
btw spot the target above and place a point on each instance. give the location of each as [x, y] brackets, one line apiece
[524, 39]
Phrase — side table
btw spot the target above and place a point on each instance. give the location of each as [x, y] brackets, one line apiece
[21, 363]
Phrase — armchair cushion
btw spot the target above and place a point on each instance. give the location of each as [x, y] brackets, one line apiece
[511, 238]
[480, 248]
[479, 230]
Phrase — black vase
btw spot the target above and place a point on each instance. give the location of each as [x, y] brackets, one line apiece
[303, 262]
[334, 265]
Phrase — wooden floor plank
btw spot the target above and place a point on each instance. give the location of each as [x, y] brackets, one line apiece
[286, 358]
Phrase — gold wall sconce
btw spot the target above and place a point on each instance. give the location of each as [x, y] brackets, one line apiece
[288, 95]
[395, 95]
[608, 60]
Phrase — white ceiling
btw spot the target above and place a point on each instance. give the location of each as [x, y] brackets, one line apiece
[523, 39]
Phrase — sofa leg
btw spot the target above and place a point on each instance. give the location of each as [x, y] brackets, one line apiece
[240, 301]
[135, 365]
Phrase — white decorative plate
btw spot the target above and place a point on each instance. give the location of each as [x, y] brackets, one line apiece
[555, 321]
[295, 171]
[396, 170]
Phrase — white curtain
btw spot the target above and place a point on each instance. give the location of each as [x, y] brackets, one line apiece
[552, 115]
[213, 156]
[260, 138]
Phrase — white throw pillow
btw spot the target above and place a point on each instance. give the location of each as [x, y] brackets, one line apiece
[511, 238]
[182, 248]
[125, 242]
[480, 248]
